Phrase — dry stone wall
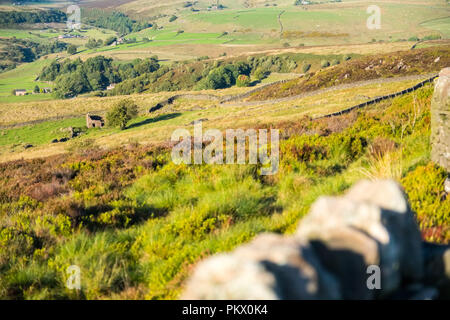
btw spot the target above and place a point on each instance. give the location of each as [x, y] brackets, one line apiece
[440, 121]
[336, 251]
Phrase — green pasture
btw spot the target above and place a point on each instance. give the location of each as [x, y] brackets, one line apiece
[398, 20]
[23, 77]
[42, 133]
[440, 25]
[35, 35]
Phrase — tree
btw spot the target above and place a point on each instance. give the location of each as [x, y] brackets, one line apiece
[110, 40]
[92, 43]
[243, 81]
[36, 89]
[121, 113]
[71, 85]
[72, 49]
[261, 73]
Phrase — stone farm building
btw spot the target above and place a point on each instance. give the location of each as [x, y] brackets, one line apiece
[20, 92]
[93, 121]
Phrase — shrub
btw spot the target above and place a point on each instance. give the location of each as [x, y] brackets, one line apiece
[325, 64]
[261, 73]
[306, 67]
[335, 62]
[121, 113]
[72, 49]
[243, 81]
[425, 189]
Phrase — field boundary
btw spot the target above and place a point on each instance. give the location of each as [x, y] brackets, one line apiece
[222, 100]
[211, 97]
[330, 89]
[379, 99]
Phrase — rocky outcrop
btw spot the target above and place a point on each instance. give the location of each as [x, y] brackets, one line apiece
[332, 255]
[371, 225]
[440, 121]
[270, 267]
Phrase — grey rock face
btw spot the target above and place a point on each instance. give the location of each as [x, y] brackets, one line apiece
[379, 215]
[440, 121]
[270, 267]
[400, 221]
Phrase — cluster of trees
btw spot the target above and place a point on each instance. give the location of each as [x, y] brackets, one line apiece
[73, 77]
[225, 76]
[147, 75]
[77, 77]
[140, 83]
[206, 75]
[10, 18]
[16, 51]
[97, 43]
[93, 43]
[116, 21]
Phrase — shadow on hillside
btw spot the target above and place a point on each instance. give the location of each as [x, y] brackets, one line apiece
[254, 83]
[162, 117]
[135, 216]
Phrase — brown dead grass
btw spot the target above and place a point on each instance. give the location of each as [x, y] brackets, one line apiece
[402, 63]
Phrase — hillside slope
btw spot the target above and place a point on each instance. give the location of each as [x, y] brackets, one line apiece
[135, 222]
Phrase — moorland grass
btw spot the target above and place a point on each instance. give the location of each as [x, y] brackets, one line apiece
[136, 223]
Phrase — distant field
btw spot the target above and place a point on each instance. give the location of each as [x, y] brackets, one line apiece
[251, 26]
[13, 112]
[37, 35]
[398, 21]
[259, 25]
[158, 127]
[38, 134]
[22, 77]
[440, 25]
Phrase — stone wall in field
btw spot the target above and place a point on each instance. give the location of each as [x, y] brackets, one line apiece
[364, 245]
[382, 98]
[440, 121]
